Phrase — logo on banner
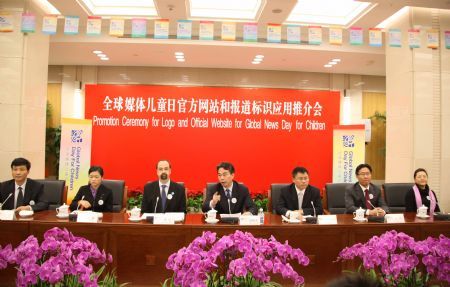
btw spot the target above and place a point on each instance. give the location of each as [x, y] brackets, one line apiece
[348, 141]
[76, 136]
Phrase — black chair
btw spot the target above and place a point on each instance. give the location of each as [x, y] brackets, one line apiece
[53, 192]
[394, 194]
[274, 195]
[118, 191]
[335, 193]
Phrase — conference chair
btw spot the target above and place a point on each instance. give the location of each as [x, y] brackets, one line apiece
[335, 193]
[53, 192]
[274, 195]
[118, 191]
[394, 194]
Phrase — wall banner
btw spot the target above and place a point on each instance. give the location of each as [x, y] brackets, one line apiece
[348, 152]
[264, 132]
[75, 154]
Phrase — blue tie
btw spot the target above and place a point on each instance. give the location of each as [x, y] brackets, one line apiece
[163, 197]
[228, 195]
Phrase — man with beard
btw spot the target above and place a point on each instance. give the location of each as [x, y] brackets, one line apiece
[163, 195]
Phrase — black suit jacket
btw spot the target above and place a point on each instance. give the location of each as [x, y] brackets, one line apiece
[152, 191]
[410, 200]
[289, 201]
[240, 192]
[34, 192]
[354, 198]
[103, 193]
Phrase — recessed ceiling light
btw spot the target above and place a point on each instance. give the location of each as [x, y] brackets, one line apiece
[328, 66]
[259, 56]
[97, 52]
[104, 59]
[181, 60]
[336, 60]
[101, 55]
[258, 59]
[256, 62]
[332, 63]
[179, 54]
[179, 57]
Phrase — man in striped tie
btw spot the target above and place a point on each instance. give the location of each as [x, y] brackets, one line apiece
[21, 192]
[364, 194]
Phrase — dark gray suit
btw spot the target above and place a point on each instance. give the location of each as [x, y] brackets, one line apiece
[34, 193]
[152, 192]
[239, 193]
[354, 198]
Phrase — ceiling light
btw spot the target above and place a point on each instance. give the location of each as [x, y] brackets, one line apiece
[230, 9]
[332, 63]
[120, 7]
[259, 56]
[97, 52]
[179, 53]
[104, 59]
[336, 60]
[256, 62]
[47, 7]
[179, 57]
[101, 55]
[328, 66]
[328, 12]
[181, 60]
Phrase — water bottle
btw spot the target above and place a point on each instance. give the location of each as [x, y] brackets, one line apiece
[261, 216]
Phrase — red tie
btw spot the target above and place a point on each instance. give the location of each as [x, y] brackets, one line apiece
[366, 193]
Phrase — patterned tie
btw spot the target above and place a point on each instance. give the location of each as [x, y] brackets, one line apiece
[228, 193]
[19, 198]
[300, 200]
[366, 194]
[163, 197]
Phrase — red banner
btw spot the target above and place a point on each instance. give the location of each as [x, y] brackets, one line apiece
[265, 133]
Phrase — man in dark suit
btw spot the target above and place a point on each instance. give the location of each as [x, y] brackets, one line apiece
[163, 195]
[299, 195]
[22, 193]
[228, 196]
[364, 194]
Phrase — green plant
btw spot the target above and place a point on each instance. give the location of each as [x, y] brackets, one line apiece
[134, 200]
[109, 279]
[194, 200]
[52, 141]
[260, 199]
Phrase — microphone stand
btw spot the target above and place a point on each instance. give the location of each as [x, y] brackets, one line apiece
[1, 205]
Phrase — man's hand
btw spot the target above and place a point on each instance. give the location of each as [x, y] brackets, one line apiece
[216, 198]
[84, 204]
[377, 212]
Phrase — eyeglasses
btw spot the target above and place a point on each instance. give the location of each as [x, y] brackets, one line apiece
[364, 174]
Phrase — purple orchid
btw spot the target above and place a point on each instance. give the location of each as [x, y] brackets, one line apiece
[234, 259]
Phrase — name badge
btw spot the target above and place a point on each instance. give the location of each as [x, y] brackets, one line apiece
[6, 214]
[394, 218]
[87, 217]
[163, 219]
[249, 220]
[327, 219]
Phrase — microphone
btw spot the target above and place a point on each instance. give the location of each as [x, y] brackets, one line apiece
[156, 205]
[78, 206]
[4, 201]
[312, 203]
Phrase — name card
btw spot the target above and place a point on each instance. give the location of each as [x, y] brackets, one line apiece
[394, 218]
[327, 219]
[6, 214]
[87, 217]
[163, 219]
[249, 220]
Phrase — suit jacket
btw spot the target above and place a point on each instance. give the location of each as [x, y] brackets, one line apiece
[239, 192]
[289, 200]
[34, 192]
[410, 200]
[103, 194]
[152, 191]
[354, 198]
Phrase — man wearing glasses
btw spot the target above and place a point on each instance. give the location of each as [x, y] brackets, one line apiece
[299, 196]
[228, 196]
[364, 194]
